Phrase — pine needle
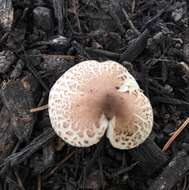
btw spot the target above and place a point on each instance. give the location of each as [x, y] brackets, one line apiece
[175, 135]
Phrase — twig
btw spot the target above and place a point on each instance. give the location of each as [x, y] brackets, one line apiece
[60, 164]
[25, 59]
[153, 19]
[58, 6]
[116, 19]
[67, 57]
[150, 158]
[74, 4]
[136, 47]
[26, 152]
[133, 6]
[39, 182]
[43, 98]
[174, 172]
[101, 172]
[130, 22]
[20, 184]
[3, 38]
[125, 170]
[186, 36]
[89, 165]
[41, 108]
[175, 135]
[35, 74]
[100, 52]
[168, 100]
[167, 8]
[185, 183]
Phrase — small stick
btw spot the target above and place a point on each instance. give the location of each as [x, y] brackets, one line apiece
[175, 135]
[19, 181]
[116, 20]
[41, 108]
[130, 22]
[135, 48]
[175, 170]
[59, 164]
[133, 6]
[67, 57]
[27, 151]
[74, 4]
[167, 100]
[154, 19]
[35, 74]
[32, 69]
[39, 182]
[100, 52]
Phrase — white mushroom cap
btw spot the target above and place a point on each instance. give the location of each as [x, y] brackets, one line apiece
[93, 97]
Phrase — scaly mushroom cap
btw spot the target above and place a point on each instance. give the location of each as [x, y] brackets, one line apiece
[93, 97]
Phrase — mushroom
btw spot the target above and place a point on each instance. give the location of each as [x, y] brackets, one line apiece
[94, 97]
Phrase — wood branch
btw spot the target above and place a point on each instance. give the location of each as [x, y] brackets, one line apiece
[174, 171]
[136, 47]
[149, 156]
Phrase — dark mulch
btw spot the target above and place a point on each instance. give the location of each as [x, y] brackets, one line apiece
[150, 38]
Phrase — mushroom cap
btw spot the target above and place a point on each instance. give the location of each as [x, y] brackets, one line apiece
[92, 97]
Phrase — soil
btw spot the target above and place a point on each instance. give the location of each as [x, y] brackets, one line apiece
[42, 39]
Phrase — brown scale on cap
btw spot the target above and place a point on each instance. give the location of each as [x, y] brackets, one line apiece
[93, 97]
